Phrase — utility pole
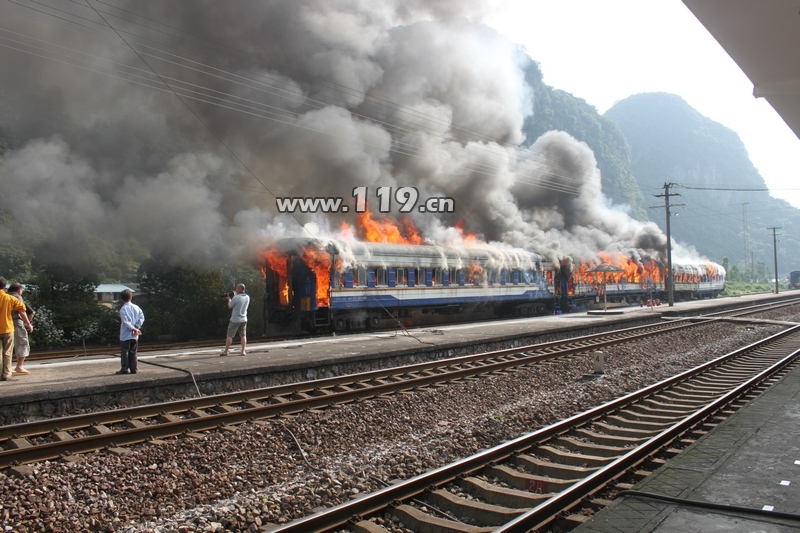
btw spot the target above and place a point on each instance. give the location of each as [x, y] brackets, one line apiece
[746, 243]
[775, 255]
[669, 277]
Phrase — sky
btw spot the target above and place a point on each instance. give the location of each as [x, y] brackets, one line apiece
[606, 51]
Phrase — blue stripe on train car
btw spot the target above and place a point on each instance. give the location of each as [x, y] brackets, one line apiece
[388, 301]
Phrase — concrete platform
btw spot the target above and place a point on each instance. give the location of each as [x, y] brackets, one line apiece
[750, 460]
[61, 387]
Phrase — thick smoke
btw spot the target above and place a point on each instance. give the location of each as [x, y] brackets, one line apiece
[314, 97]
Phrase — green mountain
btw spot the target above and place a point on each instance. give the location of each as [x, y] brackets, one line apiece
[554, 109]
[671, 142]
[651, 139]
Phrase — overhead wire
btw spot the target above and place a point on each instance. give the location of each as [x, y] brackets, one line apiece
[561, 187]
[558, 187]
[388, 125]
[303, 226]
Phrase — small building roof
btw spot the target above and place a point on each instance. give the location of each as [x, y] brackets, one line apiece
[113, 287]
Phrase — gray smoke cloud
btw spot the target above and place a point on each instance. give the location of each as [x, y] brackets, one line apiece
[314, 97]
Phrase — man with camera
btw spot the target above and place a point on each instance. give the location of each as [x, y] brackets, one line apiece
[238, 303]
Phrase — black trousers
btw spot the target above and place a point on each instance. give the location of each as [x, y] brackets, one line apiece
[128, 357]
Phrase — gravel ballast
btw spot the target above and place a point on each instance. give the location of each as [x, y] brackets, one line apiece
[240, 480]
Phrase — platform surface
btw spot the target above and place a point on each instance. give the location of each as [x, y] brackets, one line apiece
[94, 374]
[751, 460]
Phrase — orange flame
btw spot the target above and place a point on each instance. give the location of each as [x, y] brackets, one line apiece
[632, 271]
[277, 263]
[466, 237]
[475, 272]
[320, 263]
[386, 230]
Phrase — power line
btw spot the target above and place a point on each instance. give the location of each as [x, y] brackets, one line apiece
[207, 126]
[563, 187]
[244, 109]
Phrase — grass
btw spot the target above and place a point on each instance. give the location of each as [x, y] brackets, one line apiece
[738, 288]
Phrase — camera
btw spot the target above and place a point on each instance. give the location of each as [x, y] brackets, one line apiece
[226, 295]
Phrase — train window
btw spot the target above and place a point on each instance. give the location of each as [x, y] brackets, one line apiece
[453, 276]
[400, 277]
[342, 279]
[526, 277]
[491, 277]
[382, 277]
[438, 277]
[361, 277]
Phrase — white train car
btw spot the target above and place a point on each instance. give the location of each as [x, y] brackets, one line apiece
[351, 285]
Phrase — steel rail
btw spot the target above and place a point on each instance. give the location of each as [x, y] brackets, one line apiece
[759, 308]
[169, 428]
[529, 354]
[544, 512]
[413, 487]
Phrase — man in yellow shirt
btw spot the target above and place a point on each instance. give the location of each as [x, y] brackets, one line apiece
[7, 305]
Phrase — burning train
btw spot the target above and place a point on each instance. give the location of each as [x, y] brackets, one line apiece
[351, 285]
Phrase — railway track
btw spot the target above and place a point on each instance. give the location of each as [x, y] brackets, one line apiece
[53, 438]
[549, 478]
[754, 309]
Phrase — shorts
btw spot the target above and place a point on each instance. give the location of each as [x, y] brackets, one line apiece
[237, 327]
[22, 347]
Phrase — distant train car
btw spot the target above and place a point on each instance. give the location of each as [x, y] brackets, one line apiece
[638, 281]
[354, 285]
[794, 279]
[342, 286]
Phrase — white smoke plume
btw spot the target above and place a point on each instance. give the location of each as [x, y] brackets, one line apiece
[314, 97]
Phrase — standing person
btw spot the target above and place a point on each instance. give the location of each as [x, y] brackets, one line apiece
[131, 319]
[8, 304]
[22, 347]
[238, 324]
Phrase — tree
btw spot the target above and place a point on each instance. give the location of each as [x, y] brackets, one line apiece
[181, 302]
[734, 274]
[66, 309]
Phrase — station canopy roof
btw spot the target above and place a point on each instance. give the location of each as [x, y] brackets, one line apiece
[763, 38]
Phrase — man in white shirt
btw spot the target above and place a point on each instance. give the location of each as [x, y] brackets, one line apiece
[131, 319]
[238, 324]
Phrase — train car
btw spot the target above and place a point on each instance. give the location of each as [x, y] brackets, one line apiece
[794, 279]
[354, 285]
[698, 281]
[578, 287]
[341, 286]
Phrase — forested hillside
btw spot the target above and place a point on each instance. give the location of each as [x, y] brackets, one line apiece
[671, 142]
[555, 109]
